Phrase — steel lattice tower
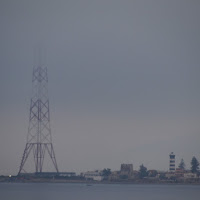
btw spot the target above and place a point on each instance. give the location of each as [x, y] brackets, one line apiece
[39, 139]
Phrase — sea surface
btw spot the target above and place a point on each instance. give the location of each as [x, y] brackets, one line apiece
[66, 191]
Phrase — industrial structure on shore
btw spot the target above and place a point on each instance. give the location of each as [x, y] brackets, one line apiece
[39, 139]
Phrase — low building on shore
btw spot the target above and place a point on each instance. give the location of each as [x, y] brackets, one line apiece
[93, 175]
[190, 175]
[152, 173]
[49, 174]
[180, 172]
[170, 175]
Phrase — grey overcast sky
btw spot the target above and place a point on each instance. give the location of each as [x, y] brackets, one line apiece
[124, 80]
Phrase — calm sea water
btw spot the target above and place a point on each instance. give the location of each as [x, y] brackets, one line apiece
[57, 191]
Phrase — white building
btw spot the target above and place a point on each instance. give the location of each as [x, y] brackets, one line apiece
[93, 175]
[190, 175]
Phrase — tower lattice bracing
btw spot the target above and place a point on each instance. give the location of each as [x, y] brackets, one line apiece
[39, 139]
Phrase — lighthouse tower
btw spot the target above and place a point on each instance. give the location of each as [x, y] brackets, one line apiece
[172, 162]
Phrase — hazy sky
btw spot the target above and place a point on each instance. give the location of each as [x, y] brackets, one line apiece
[124, 80]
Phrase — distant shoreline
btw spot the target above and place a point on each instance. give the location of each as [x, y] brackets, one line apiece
[89, 183]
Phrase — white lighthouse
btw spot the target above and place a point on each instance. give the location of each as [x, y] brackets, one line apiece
[172, 162]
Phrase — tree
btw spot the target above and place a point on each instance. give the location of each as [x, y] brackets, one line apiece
[194, 165]
[143, 171]
[182, 164]
[106, 172]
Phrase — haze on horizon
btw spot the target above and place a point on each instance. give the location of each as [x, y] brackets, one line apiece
[123, 80]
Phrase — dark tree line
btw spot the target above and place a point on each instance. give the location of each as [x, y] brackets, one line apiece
[194, 165]
[106, 172]
[143, 171]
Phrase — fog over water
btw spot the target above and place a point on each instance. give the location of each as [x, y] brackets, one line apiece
[123, 80]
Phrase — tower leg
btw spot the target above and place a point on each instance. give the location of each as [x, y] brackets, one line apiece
[52, 155]
[26, 153]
